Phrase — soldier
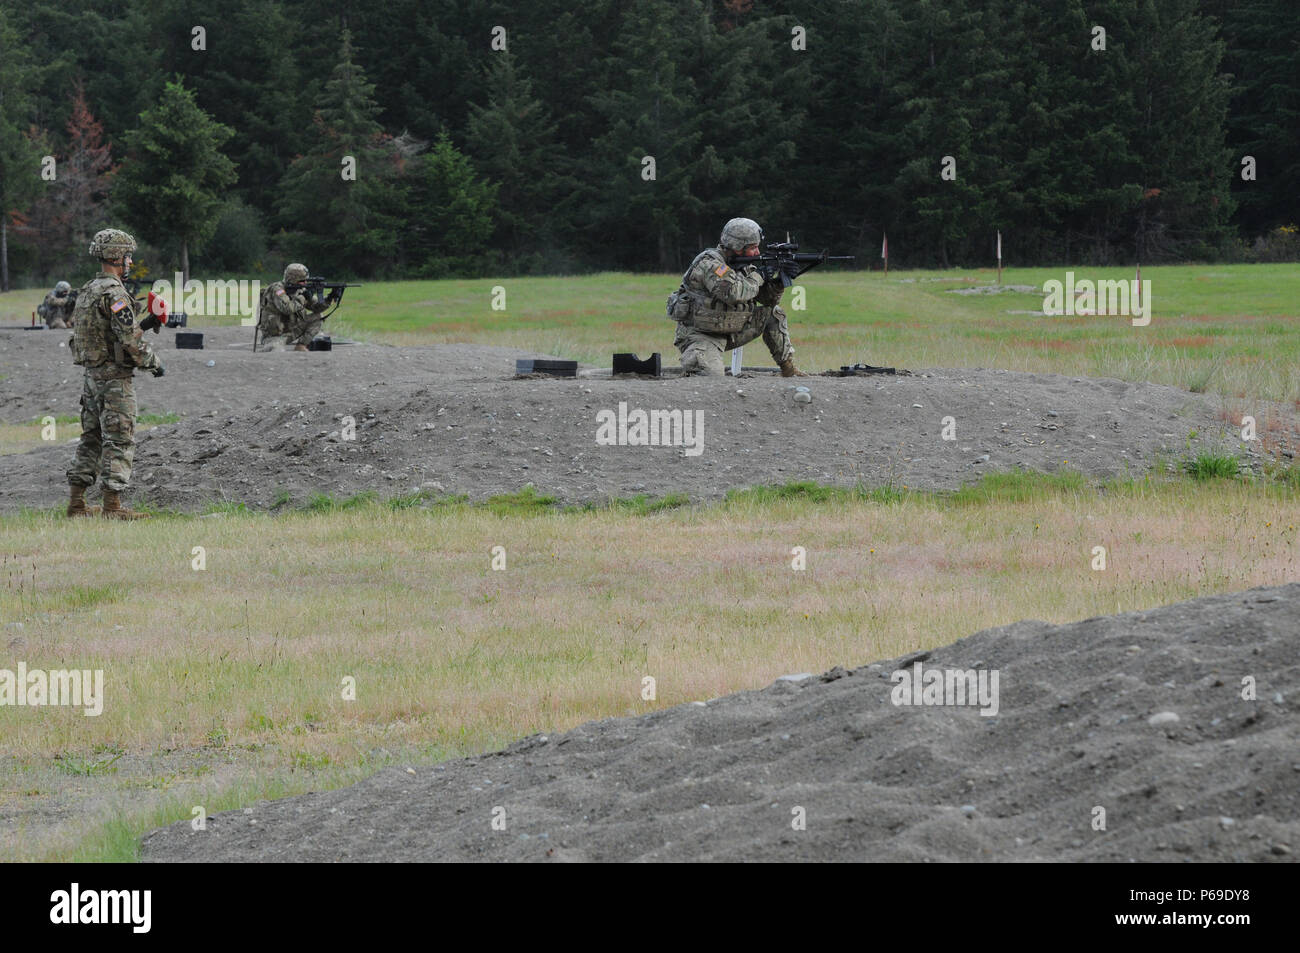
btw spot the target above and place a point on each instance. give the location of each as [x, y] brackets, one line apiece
[723, 303]
[286, 309]
[106, 342]
[56, 309]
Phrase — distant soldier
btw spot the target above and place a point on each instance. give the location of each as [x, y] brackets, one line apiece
[106, 342]
[723, 303]
[286, 309]
[56, 309]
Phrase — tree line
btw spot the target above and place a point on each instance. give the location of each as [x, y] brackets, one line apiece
[410, 138]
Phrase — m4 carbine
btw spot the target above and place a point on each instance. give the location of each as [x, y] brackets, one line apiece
[316, 289]
[782, 261]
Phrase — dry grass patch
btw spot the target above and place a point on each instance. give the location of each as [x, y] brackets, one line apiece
[238, 670]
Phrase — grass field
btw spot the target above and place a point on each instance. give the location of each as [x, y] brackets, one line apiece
[1222, 328]
[225, 684]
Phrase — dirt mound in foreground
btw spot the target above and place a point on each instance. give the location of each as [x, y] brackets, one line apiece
[263, 429]
[1139, 714]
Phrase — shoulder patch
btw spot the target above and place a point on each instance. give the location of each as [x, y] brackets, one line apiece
[279, 291]
[721, 270]
[118, 305]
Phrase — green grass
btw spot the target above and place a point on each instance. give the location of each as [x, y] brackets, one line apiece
[1213, 466]
[248, 668]
[244, 668]
[1225, 329]
[157, 419]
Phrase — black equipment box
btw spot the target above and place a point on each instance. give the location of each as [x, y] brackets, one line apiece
[189, 340]
[629, 364]
[546, 366]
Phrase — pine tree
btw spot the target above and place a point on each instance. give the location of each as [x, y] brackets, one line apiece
[247, 77]
[513, 143]
[452, 214]
[342, 201]
[86, 172]
[65, 214]
[652, 115]
[19, 163]
[171, 183]
[1263, 55]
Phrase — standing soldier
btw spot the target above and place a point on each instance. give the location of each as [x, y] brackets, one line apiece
[56, 309]
[106, 342]
[286, 309]
[723, 303]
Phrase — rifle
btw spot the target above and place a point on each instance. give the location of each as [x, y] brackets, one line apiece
[315, 288]
[784, 262]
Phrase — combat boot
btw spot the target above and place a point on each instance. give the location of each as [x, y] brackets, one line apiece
[77, 503]
[301, 347]
[113, 508]
[789, 370]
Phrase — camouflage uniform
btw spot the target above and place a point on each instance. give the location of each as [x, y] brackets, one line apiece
[286, 310]
[718, 308]
[106, 342]
[56, 309]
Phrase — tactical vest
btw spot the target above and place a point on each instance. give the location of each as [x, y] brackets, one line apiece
[694, 307]
[270, 321]
[92, 336]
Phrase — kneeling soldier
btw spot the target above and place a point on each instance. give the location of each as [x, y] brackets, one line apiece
[723, 303]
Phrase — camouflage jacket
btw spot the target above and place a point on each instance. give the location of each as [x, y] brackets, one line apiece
[280, 308]
[721, 285]
[55, 306]
[714, 296]
[105, 338]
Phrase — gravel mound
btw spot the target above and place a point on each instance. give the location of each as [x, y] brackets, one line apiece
[262, 428]
[1139, 714]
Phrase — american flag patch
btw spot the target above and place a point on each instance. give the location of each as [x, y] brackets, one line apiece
[118, 306]
[279, 291]
[721, 270]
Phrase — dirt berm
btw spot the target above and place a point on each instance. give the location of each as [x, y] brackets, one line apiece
[273, 429]
[1118, 738]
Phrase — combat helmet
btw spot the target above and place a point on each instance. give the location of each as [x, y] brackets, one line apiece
[62, 288]
[111, 244]
[295, 273]
[739, 233]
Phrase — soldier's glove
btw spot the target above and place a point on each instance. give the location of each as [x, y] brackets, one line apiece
[156, 370]
[771, 292]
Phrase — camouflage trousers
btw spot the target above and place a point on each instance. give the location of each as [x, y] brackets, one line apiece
[107, 434]
[303, 332]
[702, 352]
[274, 326]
